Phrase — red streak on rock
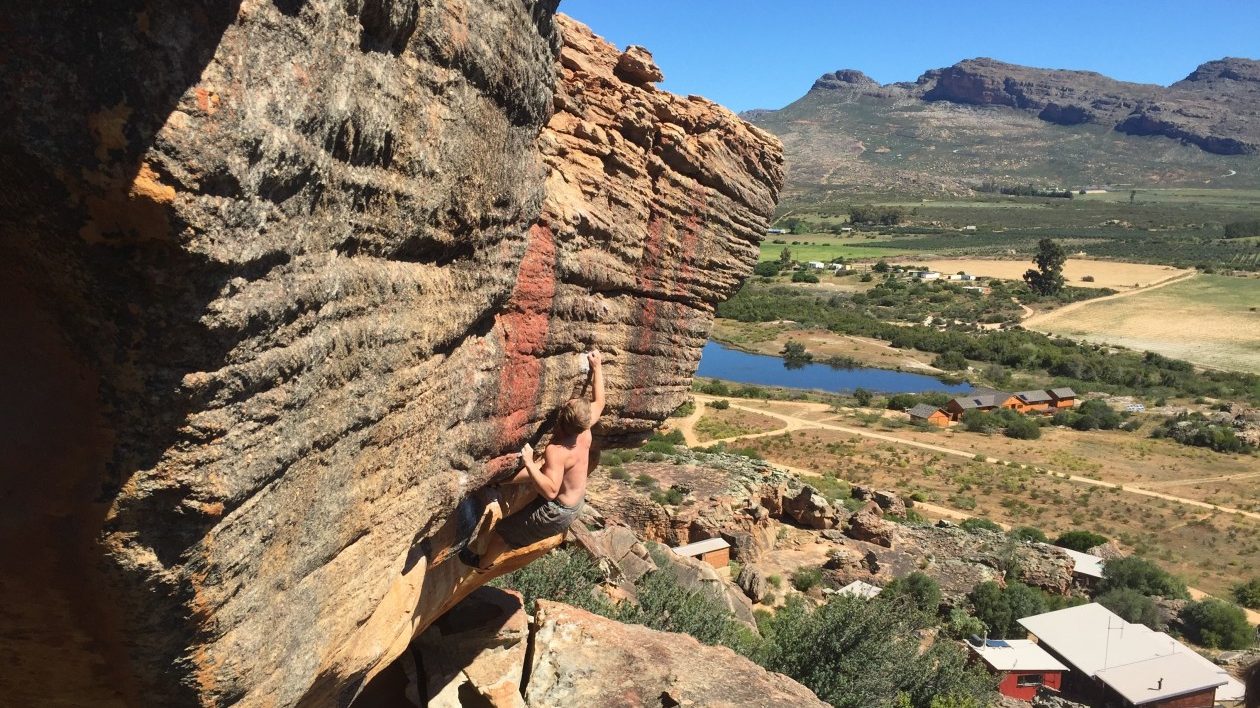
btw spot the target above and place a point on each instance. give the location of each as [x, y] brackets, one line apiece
[523, 326]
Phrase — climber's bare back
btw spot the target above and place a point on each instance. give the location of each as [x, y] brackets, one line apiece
[574, 454]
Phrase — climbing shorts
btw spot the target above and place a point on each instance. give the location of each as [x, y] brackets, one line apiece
[542, 518]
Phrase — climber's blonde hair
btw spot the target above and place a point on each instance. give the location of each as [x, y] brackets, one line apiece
[574, 416]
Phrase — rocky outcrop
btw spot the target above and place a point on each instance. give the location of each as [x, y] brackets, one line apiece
[753, 582]
[580, 659]
[285, 282]
[811, 510]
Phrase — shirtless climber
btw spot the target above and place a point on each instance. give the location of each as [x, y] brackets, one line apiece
[559, 479]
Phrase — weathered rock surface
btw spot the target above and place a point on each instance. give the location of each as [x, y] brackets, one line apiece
[284, 282]
[479, 649]
[753, 582]
[580, 659]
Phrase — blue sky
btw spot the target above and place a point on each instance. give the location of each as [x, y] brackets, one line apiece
[766, 53]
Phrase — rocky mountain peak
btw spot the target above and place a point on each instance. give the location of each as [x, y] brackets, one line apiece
[844, 79]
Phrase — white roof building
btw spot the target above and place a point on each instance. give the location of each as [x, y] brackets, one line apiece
[861, 589]
[1016, 655]
[701, 547]
[1085, 564]
[1096, 641]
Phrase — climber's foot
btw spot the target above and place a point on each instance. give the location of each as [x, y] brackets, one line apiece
[470, 559]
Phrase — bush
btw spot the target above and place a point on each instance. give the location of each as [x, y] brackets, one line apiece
[1080, 540]
[856, 653]
[1218, 624]
[720, 405]
[1140, 574]
[685, 409]
[1023, 429]
[667, 606]
[662, 444]
[775, 581]
[980, 422]
[794, 352]
[977, 523]
[801, 276]
[714, 387]
[1132, 605]
[767, 268]
[962, 625]
[1031, 534]
[863, 396]
[1248, 594]
[806, 578]
[1000, 608]
[950, 361]
[563, 575]
[922, 591]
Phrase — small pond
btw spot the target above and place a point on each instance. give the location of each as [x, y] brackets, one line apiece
[722, 362]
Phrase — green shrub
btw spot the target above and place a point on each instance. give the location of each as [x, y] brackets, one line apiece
[1142, 575]
[962, 625]
[1080, 540]
[950, 361]
[645, 480]
[1000, 608]
[1028, 533]
[720, 405]
[801, 276]
[685, 409]
[563, 575]
[775, 580]
[1218, 624]
[863, 397]
[1248, 594]
[619, 472]
[1023, 428]
[976, 523]
[804, 579]
[1132, 605]
[767, 268]
[855, 653]
[922, 591]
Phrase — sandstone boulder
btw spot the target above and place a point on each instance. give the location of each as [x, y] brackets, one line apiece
[810, 509]
[753, 582]
[478, 649]
[869, 526]
[697, 576]
[287, 281]
[580, 659]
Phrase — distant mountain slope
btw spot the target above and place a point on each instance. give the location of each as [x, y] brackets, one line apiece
[983, 119]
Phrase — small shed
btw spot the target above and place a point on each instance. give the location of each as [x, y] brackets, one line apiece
[929, 415]
[714, 551]
[817, 265]
[1023, 666]
[1086, 569]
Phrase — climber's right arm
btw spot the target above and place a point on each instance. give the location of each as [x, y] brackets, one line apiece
[597, 385]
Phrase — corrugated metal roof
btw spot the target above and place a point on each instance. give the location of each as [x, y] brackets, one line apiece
[699, 547]
[1085, 564]
[1018, 654]
[858, 588]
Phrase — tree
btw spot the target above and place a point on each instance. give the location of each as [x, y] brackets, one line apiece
[767, 268]
[795, 352]
[880, 267]
[1140, 574]
[1000, 608]
[863, 396]
[785, 256]
[1248, 594]
[950, 361]
[1218, 624]
[1132, 605]
[920, 589]
[1047, 278]
[1080, 540]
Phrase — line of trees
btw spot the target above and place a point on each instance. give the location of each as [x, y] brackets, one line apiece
[876, 215]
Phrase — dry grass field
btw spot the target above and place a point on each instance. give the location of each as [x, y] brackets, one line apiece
[1210, 320]
[719, 424]
[1107, 274]
[1210, 549]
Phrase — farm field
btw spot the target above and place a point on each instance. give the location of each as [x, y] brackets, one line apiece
[824, 247]
[1106, 274]
[1211, 549]
[1208, 320]
[717, 424]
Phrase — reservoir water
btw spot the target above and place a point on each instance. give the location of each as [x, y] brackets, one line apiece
[721, 362]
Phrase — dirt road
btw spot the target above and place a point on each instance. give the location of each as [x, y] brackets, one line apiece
[792, 423]
[1032, 322]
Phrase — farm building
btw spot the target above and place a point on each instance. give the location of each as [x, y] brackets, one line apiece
[924, 274]
[776, 232]
[861, 589]
[714, 551]
[982, 289]
[980, 400]
[817, 265]
[1063, 397]
[965, 277]
[1039, 401]
[969, 227]
[1023, 666]
[1114, 662]
[929, 415]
